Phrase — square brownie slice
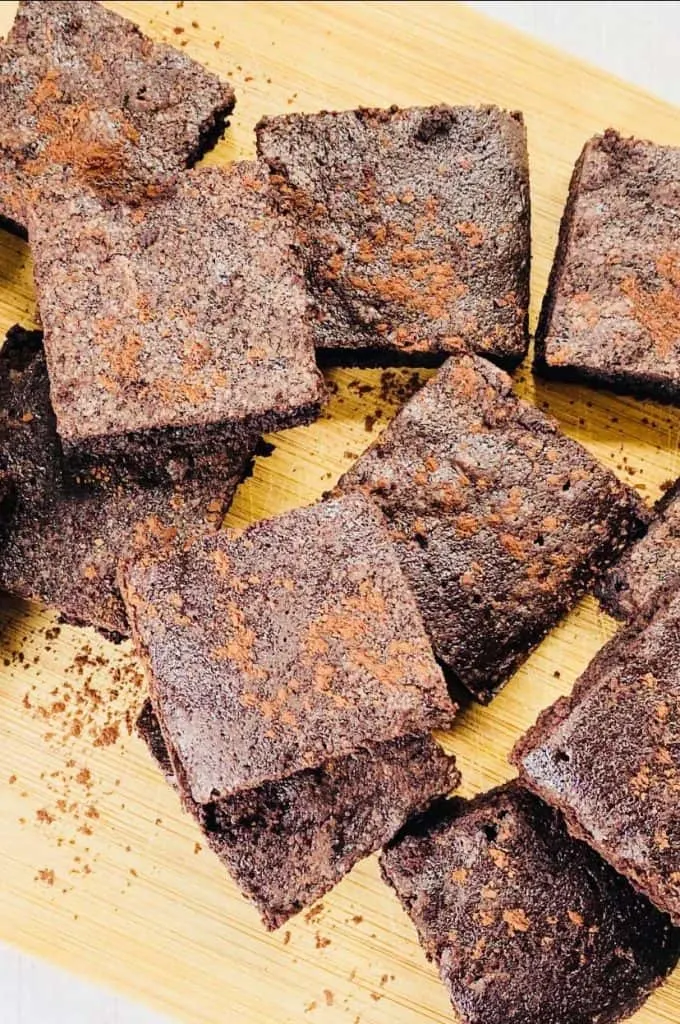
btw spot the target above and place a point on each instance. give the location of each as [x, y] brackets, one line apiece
[650, 568]
[611, 315]
[416, 225]
[608, 756]
[62, 543]
[526, 925]
[500, 521]
[86, 98]
[287, 843]
[272, 650]
[188, 315]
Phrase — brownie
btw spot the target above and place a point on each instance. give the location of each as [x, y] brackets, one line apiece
[188, 315]
[648, 569]
[62, 544]
[287, 843]
[526, 925]
[416, 224]
[500, 521]
[608, 756]
[271, 650]
[88, 100]
[611, 312]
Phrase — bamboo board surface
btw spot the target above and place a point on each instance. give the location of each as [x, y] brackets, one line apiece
[101, 871]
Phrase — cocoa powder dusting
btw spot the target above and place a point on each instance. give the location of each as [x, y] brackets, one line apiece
[658, 311]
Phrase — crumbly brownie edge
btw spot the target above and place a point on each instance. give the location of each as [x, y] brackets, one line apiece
[549, 720]
[418, 825]
[141, 452]
[212, 130]
[628, 385]
[639, 880]
[13, 227]
[553, 716]
[607, 590]
[150, 731]
[667, 498]
[541, 366]
[384, 358]
[142, 653]
[511, 361]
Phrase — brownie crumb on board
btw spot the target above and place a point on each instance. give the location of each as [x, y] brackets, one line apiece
[95, 699]
[526, 924]
[89, 102]
[405, 257]
[500, 521]
[624, 712]
[179, 364]
[611, 313]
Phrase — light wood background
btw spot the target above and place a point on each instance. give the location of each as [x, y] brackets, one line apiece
[100, 871]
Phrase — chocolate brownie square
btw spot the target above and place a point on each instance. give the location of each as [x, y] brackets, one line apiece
[416, 224]
[186, 316]
[62, 544]
[608, 756]
[611, 315]
[526, 925]
[86, 98]
[271, 650]
[500, 521]
[648, 569]
[287, 843]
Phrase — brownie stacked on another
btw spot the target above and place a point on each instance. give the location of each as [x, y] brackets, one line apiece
[294, 688]
[182, 324]
[649, 569]
[62, 543]
[526, 925]
[416, 224]
[611, 315]
[87, 100]
[500, 521]
[286, 843]
[608, 756]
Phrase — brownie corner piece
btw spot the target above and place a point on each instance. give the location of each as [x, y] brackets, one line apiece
[87, 98]
[287, 843]
[195, 358]
[650, 568]
[526, 924]
[625, 711]
[500, 521]
[406, 259]
[610, 315]
[297, 640]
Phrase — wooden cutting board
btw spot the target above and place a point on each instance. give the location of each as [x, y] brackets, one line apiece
[101, 873]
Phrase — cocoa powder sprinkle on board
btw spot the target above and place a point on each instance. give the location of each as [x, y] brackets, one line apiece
[93, 705]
